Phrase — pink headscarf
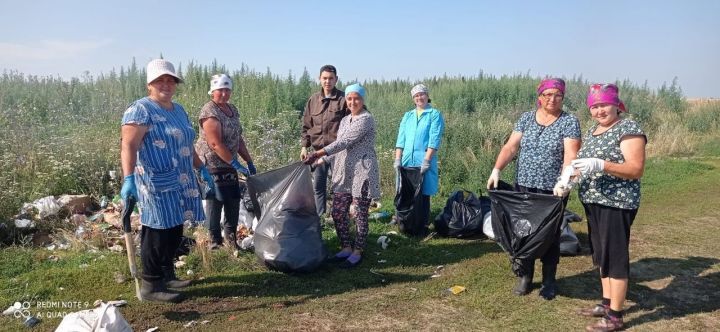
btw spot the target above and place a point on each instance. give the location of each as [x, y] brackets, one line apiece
[551, 83]
[605, 94]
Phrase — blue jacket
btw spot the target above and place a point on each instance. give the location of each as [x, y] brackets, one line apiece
[415, 136]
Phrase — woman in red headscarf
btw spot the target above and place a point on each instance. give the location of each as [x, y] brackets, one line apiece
[611, 162]
[545, 140]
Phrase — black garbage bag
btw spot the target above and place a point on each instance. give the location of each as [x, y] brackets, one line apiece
[569, 242]
[524, 224]
[288, 234]
[462, 215]
[412, 209]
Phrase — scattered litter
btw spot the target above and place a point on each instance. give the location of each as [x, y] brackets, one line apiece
[413, 289]
[392, 233]
[53, 258]
[61, 288]
[32, 321]
[190, 273]
[379, 215]
[117, 248]
[119, 277]
[152, 329]
[382, 261]
[204, 322]
[12, 309]
[430, 236]
[179, 264]
[182, 258]
[375, 273]
[383, 241]
[116, 303]
[190, 324]
[51, 247]
[247, 243]
[24, 223]
[46, 206]
[393, 220]
[82, 266]
[436, 275]
[455, 290]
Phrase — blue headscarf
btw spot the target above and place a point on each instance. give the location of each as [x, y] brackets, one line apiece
[357, 88]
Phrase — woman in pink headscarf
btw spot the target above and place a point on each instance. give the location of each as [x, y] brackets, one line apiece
[545, 140]
[611, 162]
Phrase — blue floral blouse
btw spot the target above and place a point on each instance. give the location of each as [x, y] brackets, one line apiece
[542, 149]
[605, 189]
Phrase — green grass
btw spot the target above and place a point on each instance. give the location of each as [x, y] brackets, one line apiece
[675, 277]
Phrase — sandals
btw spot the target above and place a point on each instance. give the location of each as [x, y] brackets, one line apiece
[606, 324]
[598, 310]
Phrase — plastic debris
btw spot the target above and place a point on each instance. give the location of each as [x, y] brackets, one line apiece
[455, 290]
[247, 243]
[119, 277]
[179, 264]
[382, 261]
[152, 329]
[383, 241]
[190, 272]
[46, 206]
[190, 324]
[117, 248]
[24, 223]
[379, 215]
[82, 266]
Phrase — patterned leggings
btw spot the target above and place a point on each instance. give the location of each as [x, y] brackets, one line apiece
[340, 209]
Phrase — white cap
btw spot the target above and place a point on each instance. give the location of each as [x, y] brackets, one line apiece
[419, 88]
[220, 81]
[160, 67]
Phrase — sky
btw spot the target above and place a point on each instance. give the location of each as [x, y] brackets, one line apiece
[642, 41]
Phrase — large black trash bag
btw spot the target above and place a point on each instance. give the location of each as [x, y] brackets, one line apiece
[462, 215]
[524, 224]
[288, 235]
[412, 210]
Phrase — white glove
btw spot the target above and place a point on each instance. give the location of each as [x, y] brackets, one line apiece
[560, 190]
[425, 166]
[396, 163]
[493, 179]
[303, 153]
[588, 165]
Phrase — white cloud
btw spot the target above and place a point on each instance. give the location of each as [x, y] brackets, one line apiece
[49, 49]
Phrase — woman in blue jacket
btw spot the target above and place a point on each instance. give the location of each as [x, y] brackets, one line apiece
[418, 141]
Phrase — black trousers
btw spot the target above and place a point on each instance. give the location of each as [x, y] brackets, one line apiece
[552, 255]
[157, 249]
[213, 209]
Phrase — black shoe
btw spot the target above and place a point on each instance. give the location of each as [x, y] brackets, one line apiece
[156, 291]
[524, 284]
[171, 280]
[549, 286]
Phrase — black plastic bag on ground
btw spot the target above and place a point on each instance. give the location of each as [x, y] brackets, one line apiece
[412, 208]
[524, 224]
[462, 215]
[288, 235]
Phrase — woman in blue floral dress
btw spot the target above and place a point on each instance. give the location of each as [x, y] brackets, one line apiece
[611, 162]
[545, 140]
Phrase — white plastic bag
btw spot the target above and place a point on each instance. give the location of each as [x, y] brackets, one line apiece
[487, 226]
[46, 206]
[105, 318]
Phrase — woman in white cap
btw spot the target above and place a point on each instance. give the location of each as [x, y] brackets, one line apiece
[219, 144]
[419, 135]
[356, 175]
[157, 158]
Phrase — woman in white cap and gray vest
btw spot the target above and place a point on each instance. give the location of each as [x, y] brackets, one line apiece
[220, 143]
[158, 158]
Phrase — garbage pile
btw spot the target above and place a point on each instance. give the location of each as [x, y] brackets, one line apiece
[57, 223]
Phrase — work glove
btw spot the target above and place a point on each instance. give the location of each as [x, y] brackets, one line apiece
[396, 164]
[207, 178]
[588, 165]
[425, 166]
[494, 178]
[303, 153]
[239, 167]
[561, 190]
[310, 159]
[128, 188]
[251, 168]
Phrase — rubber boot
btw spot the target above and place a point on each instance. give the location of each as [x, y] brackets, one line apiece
[524, 284]
[156, 291]
[549, 286]
[171, 280]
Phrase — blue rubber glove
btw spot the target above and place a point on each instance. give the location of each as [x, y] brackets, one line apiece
[251, 168]
[239, 167]
[128, 187]
[207, 178]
